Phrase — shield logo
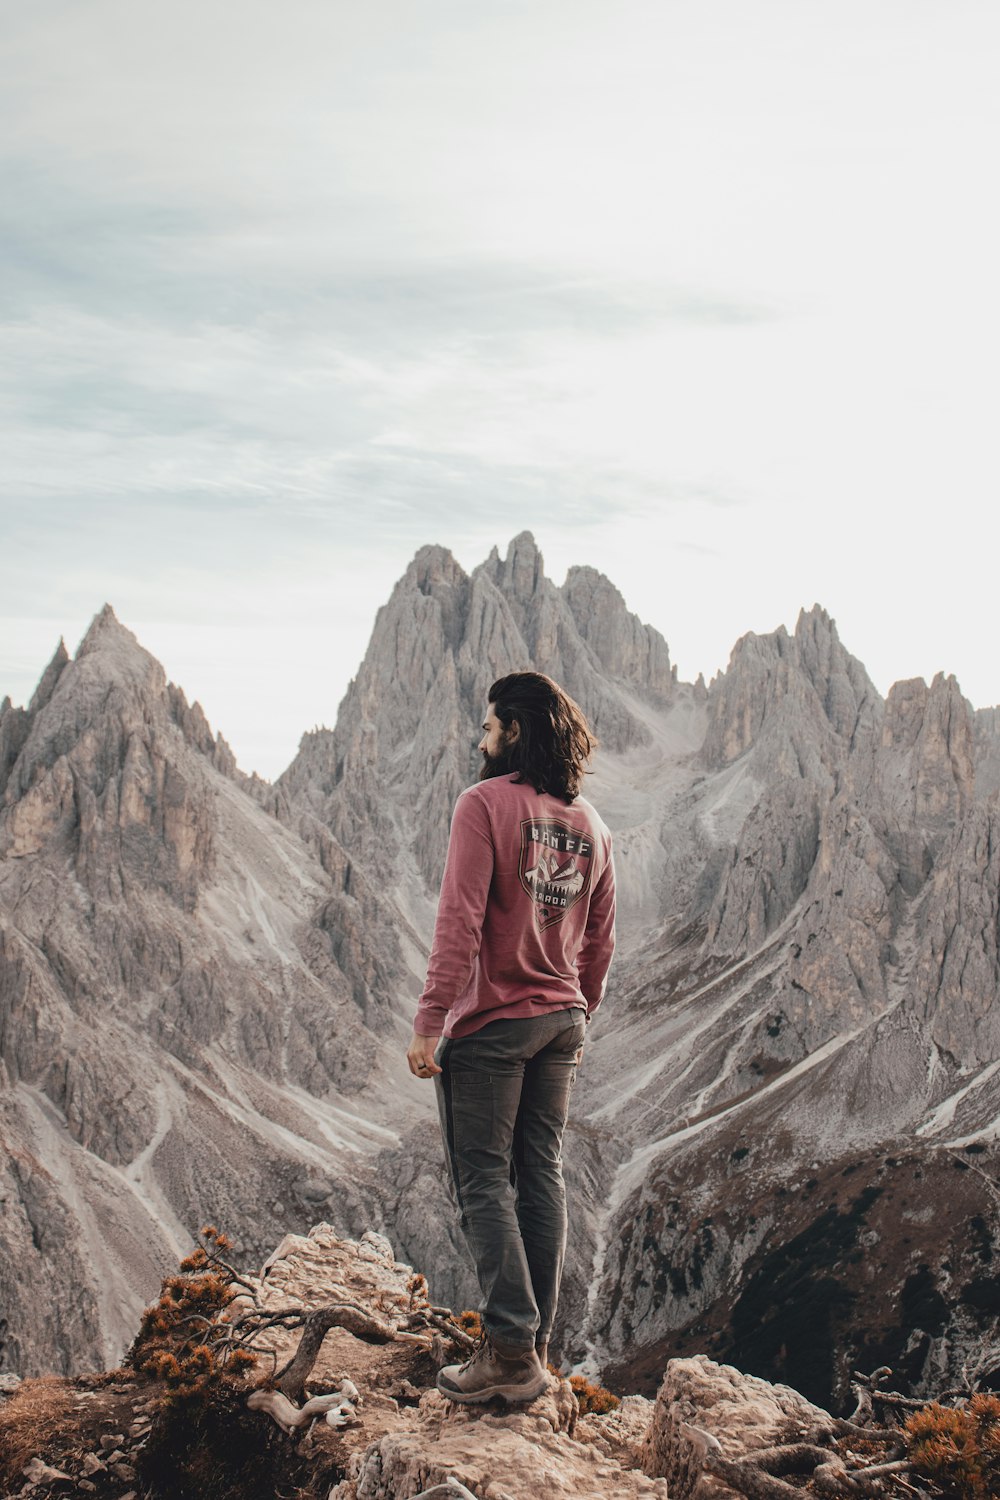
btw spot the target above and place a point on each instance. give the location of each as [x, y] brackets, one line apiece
[554, 867]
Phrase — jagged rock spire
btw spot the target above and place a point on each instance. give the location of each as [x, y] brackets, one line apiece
[49, 678]
[407, 729]
[788, 694]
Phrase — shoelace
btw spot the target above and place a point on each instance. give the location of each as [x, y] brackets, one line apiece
[485, 1346]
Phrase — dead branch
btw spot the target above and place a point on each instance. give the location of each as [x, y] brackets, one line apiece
[257, 1322]
[429, 1317]
[864, 1411]
[231, 1272]
[209, 1249]
[456, 1334]
[264, 1353]
[905, 1403]
[912, 1488]
[273, 1315]
[875, 1471]
[195, 1318]
[868, 1386]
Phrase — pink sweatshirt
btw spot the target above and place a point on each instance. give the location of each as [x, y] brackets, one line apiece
[526, 919]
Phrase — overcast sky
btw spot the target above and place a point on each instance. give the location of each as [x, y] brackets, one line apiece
[704, 292]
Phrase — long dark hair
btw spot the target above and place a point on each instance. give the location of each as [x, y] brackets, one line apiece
[554, 741]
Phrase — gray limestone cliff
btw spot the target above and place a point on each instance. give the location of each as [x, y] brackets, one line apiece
[193, 1022]
[822, 991]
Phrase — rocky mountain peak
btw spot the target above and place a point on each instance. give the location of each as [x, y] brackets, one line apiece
[788, 689]
[387, 777]
[940, 712]
[111, 691]
[113, 653]
[626, 648]
[431, 567]
[49, 678]
[904, 713]
[816, 621]
[522, 572]
[849, 698]
[928, 744]
[104, 620]
[172, 960]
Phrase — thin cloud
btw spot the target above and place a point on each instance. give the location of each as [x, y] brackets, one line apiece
[280, 303]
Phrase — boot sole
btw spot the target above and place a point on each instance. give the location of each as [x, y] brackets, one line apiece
[514, 1394]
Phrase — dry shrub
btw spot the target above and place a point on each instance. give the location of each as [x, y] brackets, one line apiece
[958, 1449]
[592, 1398]
[40, 1417]
[204, 1444]
[471, 1323]
[420, 1292]
[184, 1339]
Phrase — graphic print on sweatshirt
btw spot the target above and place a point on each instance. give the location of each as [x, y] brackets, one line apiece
[554, 867]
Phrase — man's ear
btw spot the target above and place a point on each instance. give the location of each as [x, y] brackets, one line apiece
[512, 733]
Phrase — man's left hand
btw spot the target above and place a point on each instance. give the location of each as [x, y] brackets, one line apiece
[420, 1055]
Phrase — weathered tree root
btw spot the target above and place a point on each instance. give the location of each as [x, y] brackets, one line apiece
[285, 1401]
[893, 1437]
[337, 1407]
[757, 1475]
[291, 1380]
[452, 1489]
[748, 1475]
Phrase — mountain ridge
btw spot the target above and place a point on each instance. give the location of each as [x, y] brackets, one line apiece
[810, 954]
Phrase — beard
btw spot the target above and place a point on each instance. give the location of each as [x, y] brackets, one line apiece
[495, 765]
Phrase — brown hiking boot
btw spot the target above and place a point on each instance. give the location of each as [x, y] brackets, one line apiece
[494, 1370]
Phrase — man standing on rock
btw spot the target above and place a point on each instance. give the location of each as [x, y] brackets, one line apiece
[522, 944]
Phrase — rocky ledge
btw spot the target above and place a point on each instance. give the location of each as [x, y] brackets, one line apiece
[315, 1378]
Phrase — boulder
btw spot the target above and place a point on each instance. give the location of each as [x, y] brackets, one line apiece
[741, 1411]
